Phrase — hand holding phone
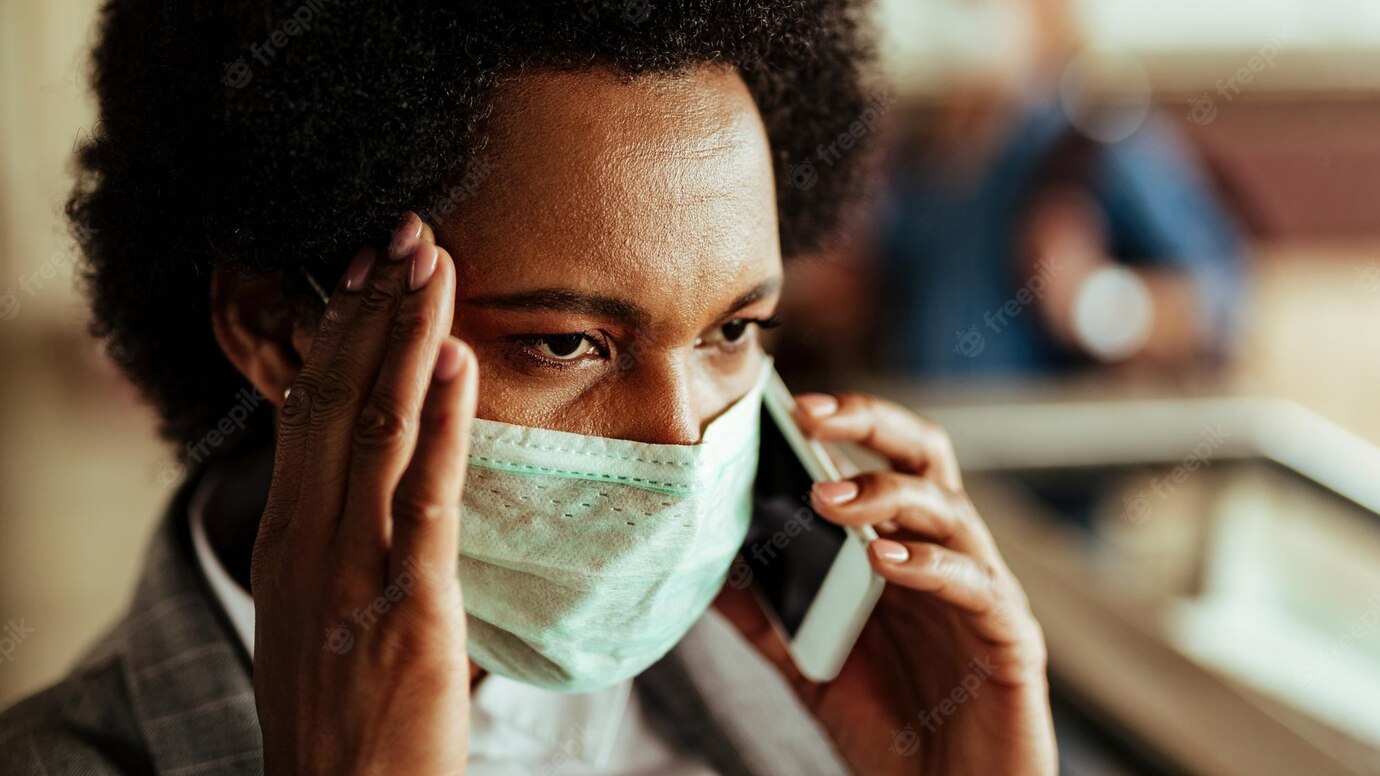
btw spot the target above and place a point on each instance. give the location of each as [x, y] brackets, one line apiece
[952, 617]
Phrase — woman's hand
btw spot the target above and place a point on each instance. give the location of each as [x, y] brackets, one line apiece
[955, 628]
[948, 676]
[359, 660]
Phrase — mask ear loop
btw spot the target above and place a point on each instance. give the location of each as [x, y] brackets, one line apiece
[315, 286]
[325, 299]
[321, 292]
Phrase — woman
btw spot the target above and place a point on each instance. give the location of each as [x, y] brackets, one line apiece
[604, 234]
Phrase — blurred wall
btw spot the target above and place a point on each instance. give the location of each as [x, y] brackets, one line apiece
[80, 472]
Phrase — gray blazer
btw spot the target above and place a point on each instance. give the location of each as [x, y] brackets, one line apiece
[167, 691]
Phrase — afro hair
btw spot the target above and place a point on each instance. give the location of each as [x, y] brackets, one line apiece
[262, 135]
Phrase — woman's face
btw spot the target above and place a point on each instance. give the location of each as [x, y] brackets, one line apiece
[612, 255]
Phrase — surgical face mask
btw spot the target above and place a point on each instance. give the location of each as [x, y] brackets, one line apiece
[585, 559]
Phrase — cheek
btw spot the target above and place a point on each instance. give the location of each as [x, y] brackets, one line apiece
[508, 396]
[719, 382]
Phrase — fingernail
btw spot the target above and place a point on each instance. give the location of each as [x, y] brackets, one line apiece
[450, 361]
[817, 404]
[405, 237]
[886, 549]
[836, 492]
[423, 266]
[358, 271]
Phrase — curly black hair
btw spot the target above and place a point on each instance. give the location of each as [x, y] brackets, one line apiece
[263, 135]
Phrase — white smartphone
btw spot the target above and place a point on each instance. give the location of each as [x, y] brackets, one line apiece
[812, 577]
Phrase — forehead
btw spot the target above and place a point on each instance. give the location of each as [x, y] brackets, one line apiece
[658, 187]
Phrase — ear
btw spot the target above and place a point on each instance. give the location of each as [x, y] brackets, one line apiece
[262, 329]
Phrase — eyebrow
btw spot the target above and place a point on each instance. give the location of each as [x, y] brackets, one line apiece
[608, 307]
[756, 293]
[566, 301]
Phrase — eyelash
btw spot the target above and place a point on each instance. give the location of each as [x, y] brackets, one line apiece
[599, 340]
[760, 323]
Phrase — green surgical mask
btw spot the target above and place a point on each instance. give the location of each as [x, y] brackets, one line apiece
[585, 559]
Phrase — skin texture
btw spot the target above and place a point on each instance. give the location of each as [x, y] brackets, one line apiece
[639, 213]
[656, 192]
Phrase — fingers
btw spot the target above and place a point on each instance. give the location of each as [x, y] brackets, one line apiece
[410, 231]
[980, 591]
[911, 443]
[426, 506]
[336, 397]
[384, 433]
[954, 556]
[891, 500]
[933, 541]
[294, 418]
[951, 576]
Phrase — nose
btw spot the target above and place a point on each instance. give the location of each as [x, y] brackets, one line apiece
[661, 406]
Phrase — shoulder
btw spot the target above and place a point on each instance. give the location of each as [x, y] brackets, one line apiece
[165, 689]
[84, 724]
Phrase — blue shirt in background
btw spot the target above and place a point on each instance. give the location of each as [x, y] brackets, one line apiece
[949, 266]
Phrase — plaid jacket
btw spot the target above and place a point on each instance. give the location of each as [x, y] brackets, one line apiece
[167, 691]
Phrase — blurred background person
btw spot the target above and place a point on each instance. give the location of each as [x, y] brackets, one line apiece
[1010, 240]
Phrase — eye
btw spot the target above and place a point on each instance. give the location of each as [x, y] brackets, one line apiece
[736, 331]
[563, 347]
